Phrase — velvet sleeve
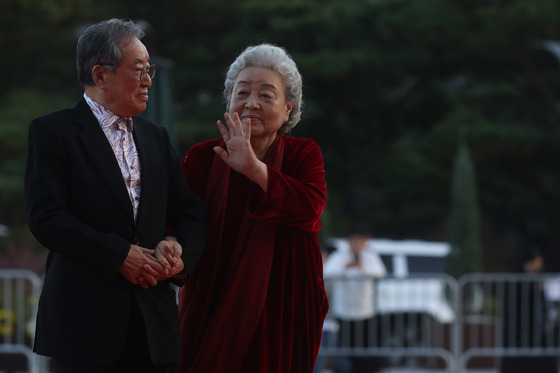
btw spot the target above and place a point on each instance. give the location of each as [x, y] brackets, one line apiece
[196, 166]
[297, 194]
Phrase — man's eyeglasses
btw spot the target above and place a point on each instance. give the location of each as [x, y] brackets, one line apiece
[145, 71]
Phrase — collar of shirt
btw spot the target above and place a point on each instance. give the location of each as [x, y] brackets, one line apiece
[104, 116]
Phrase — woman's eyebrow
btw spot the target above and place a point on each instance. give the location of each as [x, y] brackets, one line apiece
[248, 82]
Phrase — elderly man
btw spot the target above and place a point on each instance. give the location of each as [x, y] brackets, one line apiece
[106, 196]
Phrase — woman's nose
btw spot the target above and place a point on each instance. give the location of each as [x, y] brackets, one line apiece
[252, 102]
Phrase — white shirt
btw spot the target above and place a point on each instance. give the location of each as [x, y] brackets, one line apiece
[353, 292]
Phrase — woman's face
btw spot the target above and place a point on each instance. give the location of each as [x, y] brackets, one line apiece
[259, 95]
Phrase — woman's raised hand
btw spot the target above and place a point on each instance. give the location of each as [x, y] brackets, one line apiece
[238, 154]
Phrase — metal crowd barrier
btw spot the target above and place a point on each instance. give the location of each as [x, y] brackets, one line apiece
[422, 322]
[19, 294]
[504, 316]
[412, 327]
[437, 324]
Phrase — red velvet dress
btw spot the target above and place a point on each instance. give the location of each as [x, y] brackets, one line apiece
[255, 301]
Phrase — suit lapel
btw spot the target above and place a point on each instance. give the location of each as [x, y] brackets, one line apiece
[102, 155]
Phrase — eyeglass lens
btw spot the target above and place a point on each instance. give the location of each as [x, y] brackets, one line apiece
[148, 70]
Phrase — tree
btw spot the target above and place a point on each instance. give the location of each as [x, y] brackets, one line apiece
[464, 231]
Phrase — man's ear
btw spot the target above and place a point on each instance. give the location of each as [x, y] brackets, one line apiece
[98, 74]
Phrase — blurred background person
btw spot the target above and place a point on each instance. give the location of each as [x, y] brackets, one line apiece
[352, 273]
[527, 321]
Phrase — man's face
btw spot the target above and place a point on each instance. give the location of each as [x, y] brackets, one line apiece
[534, 265]
[126, 95]
[358, 242]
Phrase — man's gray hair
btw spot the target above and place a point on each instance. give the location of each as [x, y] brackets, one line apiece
[101, 44]
[273, 58]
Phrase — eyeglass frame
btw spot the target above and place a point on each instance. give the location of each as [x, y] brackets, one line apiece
[143, 73]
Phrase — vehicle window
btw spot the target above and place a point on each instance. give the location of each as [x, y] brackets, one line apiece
[425, 264]
[388, 261]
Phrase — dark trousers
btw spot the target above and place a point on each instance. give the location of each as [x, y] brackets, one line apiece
[363, 333]
[524, 364]
[135, 357]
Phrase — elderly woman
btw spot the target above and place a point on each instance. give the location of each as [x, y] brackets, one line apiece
[255, 301]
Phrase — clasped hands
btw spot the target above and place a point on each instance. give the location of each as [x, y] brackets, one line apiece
[146, 267]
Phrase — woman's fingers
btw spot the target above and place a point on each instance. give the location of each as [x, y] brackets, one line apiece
[236, 127]
[247, 129]
[223, 130]
[233, 128]
[230, 125]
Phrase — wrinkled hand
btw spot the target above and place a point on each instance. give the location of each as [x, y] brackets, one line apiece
[237, 136]
[168, 253]
[239, 154]
[133, 268]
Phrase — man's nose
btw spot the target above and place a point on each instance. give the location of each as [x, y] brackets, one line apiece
[147, 81]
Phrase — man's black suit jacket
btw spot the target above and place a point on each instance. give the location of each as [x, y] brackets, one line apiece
[78, 208]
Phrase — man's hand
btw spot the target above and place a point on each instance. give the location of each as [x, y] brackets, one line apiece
[134, 267]
[354, 264]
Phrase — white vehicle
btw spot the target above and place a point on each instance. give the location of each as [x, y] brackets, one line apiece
[412, 305]
[415, 282]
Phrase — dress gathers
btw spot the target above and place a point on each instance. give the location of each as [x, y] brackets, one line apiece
[255, 302]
